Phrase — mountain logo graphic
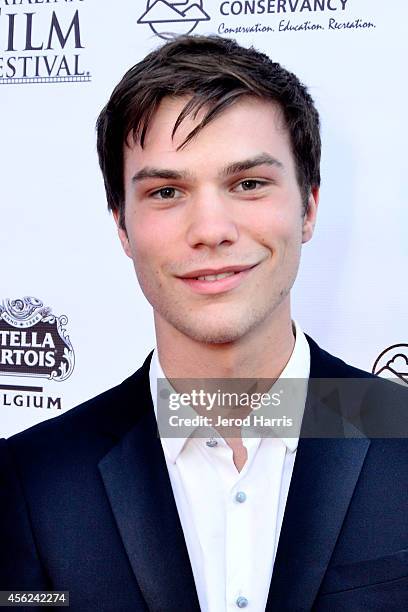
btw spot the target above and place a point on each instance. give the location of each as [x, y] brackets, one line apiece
[169, 18]
[393, 363]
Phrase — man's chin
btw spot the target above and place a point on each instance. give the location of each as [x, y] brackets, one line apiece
[214, 334]
[212, 325]
[218, 338]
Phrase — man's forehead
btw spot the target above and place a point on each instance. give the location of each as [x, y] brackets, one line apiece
[162, 121]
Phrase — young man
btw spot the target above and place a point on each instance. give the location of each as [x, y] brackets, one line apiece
[210, 154]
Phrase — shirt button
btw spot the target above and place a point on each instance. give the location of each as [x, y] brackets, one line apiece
[242, 602]
[211, 443]
[240, 497]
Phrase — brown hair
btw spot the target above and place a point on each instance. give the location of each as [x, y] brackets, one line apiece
[216, 72]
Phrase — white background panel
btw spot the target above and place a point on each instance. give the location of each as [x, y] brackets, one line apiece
[58, 243]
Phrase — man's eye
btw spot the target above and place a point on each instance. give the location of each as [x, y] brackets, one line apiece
[165, 193]
[249, 185]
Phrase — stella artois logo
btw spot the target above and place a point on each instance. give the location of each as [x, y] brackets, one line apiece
[33, 341]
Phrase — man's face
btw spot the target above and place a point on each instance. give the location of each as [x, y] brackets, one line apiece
[228, 202]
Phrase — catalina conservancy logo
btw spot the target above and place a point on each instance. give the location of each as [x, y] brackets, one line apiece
[393, 363]
[33, 341]
[169, 18]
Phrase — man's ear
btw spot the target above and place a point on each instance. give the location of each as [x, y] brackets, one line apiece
[122, 233]
[310, 215]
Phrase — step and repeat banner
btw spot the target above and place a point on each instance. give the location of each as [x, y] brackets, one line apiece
[73, 321]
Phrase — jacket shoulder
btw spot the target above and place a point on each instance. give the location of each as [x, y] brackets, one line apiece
[326, 365]
[377, 405]
[95, 424]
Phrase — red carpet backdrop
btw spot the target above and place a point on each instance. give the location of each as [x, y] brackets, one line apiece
[73, 321]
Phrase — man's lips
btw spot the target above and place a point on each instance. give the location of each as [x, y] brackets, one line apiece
[234, 277]
[214, 271]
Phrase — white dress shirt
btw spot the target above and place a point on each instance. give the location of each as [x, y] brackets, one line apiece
[232, 520]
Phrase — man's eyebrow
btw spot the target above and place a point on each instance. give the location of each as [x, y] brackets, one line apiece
[162, 173]
[149, 172]
[252, 162]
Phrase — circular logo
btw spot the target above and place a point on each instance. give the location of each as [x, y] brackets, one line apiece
[169, 18]
[393, 363]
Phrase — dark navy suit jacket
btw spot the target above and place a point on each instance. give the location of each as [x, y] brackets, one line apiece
[87, 506]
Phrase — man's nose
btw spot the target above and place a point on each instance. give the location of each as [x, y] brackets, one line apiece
[210, 221]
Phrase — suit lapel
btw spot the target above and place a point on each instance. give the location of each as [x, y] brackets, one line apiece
[324, 477]
[137, 483]
[139, 490]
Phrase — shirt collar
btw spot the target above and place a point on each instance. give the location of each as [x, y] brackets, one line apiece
[298, 367]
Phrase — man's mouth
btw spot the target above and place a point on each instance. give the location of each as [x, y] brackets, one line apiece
[212, 274]
[216, 281]
[214, 277]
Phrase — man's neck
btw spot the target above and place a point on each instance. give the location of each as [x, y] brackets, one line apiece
[261, 354]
